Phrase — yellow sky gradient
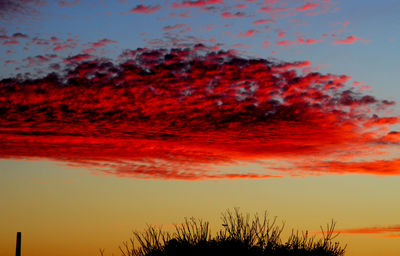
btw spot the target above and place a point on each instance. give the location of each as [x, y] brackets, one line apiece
[69, 211]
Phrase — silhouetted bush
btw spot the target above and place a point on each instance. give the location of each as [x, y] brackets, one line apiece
[241, 235]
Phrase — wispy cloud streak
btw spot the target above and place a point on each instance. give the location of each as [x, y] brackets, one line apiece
[388, 232]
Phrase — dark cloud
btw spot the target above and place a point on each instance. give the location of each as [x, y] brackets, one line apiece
[145, 9]
[197, 3]
[68, 3]
[78, 58]
[13, 39]
[39, 59]
[101, 43]
[10, 9]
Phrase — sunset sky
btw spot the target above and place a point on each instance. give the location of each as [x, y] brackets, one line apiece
[120, 113]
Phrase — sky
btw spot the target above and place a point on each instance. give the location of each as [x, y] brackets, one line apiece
[117, 114]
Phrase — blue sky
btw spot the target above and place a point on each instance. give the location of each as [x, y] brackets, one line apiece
[373, 61]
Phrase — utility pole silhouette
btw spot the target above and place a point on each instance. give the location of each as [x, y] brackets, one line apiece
[18, 249]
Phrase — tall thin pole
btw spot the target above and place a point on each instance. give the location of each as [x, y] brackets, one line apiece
[18, 250]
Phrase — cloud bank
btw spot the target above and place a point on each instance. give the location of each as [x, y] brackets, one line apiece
[185, 113]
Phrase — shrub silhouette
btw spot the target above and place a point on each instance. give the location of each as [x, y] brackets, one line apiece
[241, 235]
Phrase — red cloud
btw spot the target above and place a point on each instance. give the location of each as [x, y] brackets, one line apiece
[246, 46]
[78, 58]
[57, 45]
[141, 8]
[10, 42]
[307, 7]
[185, 114]
[285, 43]
[39, 59]
[260, 22]
[198, 3]
[240, 6]
[350, 40]
[266, 44]
[392, 137]
[7, 62]
[13, 39]
[103, 42]
[374, 167]
[269, 9]
[307, 41]
[100, 43]
[269, 1]
[185, 14]
[287, 66]
[232, 15]
[390, 231]
[249, 33]
[176, 26]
